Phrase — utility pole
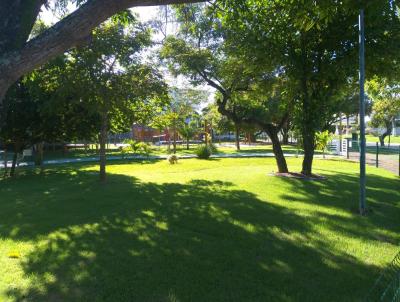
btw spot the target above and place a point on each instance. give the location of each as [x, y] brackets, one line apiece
[362, 112]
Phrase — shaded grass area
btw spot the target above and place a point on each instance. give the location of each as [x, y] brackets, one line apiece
[219, 230]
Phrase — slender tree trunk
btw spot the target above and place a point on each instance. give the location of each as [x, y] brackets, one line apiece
[211, 132]
[5, 161]
[169, 140]
[14, 160]
[385, 134]
[174, 141]
[278, 152]
[205, 133]
[41, 152]
[14, 164]
[285, 134]
[103, 141]
[187, 143]
[309, 147]
[382, 140]
[237, 137]
[340, 132]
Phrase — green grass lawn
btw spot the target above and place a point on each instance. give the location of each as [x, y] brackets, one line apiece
[218, 230]
[375, 139]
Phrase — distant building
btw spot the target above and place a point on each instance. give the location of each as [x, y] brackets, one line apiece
[148, 134]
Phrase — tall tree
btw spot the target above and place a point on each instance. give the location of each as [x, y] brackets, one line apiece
[37, 111]
[201, 53]
[111, 79]
[183, 104]
[188, 130]
[314, 45]
[385, 106]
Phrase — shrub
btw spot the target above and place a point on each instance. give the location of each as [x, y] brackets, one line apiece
[203, 152]
[322, 140]
[136, 147]
[173, 159]
[133, 145]
[125, 151]
[213, 148]
[143, 148]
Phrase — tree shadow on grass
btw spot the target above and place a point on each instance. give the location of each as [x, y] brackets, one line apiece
[340, 191]
[199, 241]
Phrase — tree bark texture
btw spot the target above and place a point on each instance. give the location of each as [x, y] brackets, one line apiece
[309, 147]
[237, 137]
[277, 149]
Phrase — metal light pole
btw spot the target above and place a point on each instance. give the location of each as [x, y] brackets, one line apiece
[362, 111]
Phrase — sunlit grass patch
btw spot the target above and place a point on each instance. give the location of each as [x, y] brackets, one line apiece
[218, 230]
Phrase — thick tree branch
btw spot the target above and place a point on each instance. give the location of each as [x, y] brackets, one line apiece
[212, 83]
[64, 35]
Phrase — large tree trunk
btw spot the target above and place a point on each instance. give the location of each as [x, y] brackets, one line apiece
[308, 117]
[278, 152]
[309, 147]
[237, 137]
[102, 141]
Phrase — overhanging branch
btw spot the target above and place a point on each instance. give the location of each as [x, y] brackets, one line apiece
[64, 35]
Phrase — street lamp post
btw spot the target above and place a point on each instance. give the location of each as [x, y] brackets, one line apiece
[362, 112]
